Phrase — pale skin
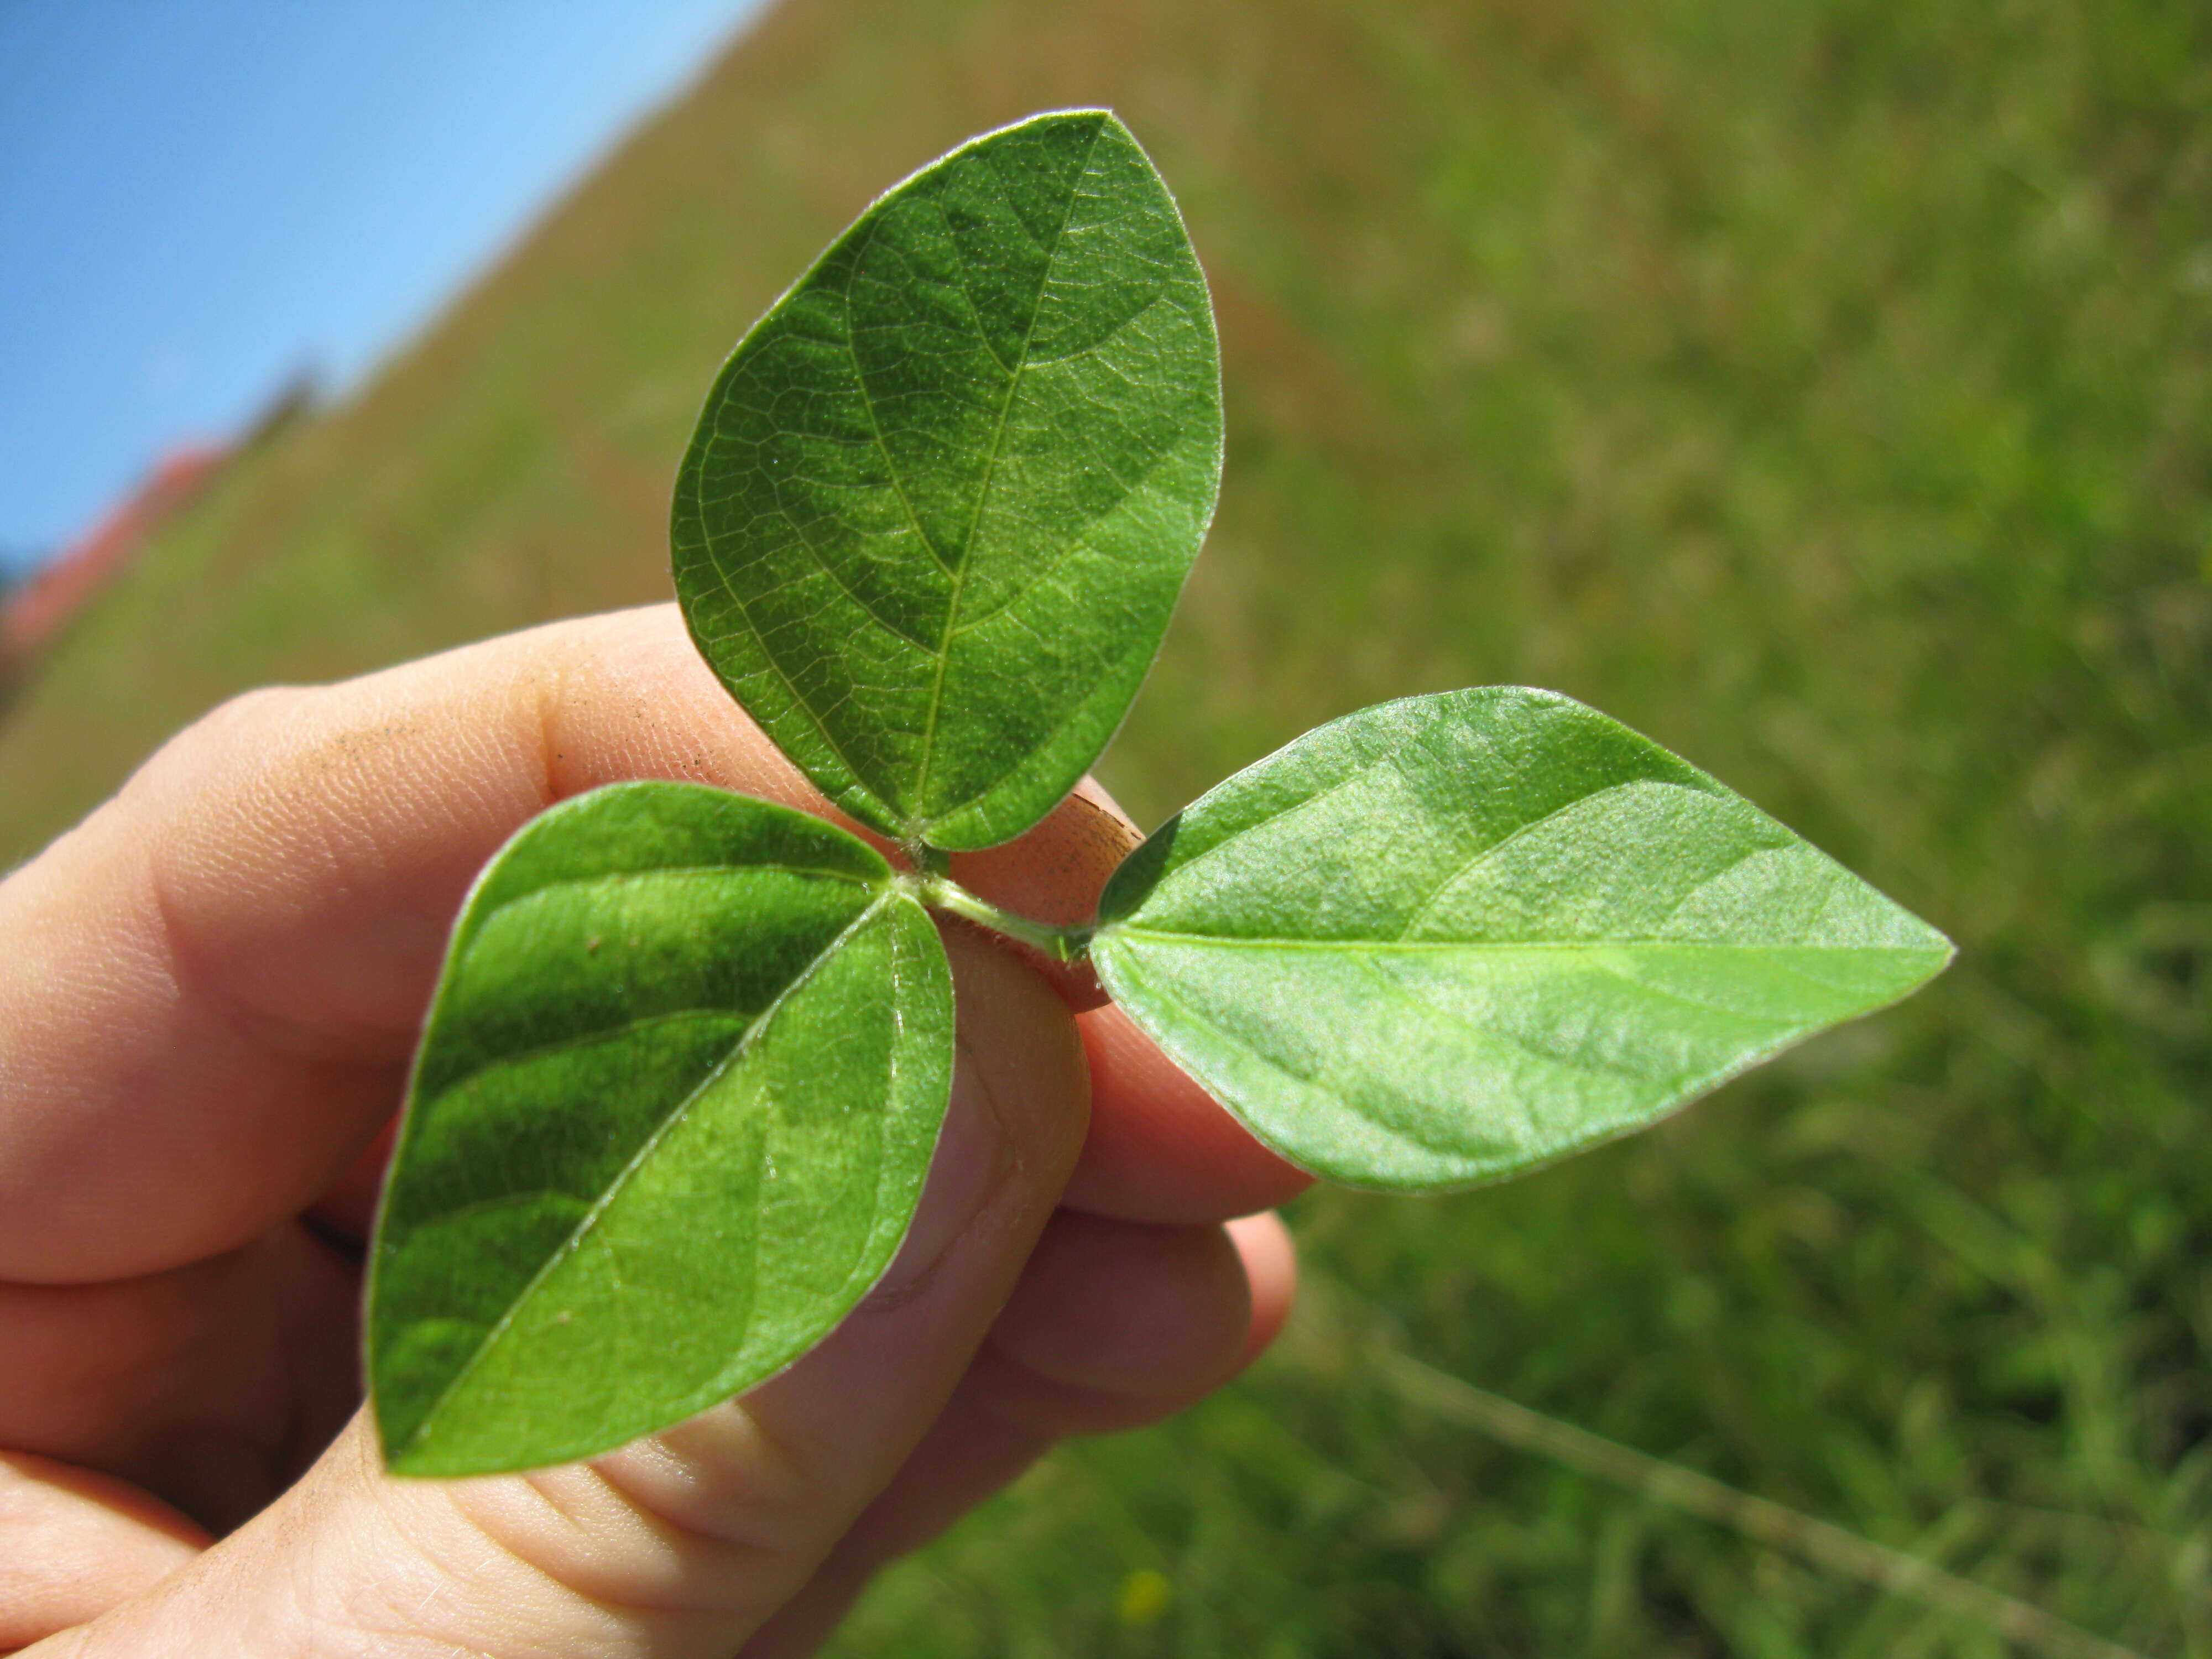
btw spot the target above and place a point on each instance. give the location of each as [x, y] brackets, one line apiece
[208, 996]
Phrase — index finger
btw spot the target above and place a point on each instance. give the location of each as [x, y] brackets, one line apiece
[213, 985]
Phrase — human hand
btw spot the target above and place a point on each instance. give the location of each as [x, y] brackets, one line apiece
[209, 994]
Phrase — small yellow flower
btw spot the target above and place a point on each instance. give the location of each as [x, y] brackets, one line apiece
[1145, 1596]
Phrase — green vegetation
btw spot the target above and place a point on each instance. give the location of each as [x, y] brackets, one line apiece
[686, 1067]
[1825, 389]
[1445, 940]
[941, 500]
[674, 1104]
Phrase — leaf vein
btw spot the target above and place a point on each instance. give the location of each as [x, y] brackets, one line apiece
[1474, 859]
[990, 474]
[660, 1132]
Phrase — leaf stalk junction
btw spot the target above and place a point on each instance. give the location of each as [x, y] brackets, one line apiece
[1068, 944]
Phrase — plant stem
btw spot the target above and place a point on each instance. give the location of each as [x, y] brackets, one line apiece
[1061, 944]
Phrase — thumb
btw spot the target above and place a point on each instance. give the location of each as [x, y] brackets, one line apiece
[686, 1542]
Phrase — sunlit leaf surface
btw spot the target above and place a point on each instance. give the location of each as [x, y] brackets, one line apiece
[670, 1120]
[1446, 939]
[943, 495]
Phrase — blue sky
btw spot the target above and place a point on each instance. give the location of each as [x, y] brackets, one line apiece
[197, 200]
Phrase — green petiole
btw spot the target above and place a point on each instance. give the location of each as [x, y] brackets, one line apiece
[1061, 944]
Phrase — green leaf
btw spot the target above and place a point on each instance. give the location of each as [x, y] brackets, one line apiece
[668, 1123]
[1442, 939]
[942, 498]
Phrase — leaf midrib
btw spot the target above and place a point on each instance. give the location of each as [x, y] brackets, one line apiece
[675, 1115]
[921, 826]
[1368, 950]
[1402, 946]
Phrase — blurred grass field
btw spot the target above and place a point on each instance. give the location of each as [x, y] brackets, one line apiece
[1824, 387]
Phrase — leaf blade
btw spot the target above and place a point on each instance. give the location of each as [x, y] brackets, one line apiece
[1530, 929]
[943, 496]
[653, 1169]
